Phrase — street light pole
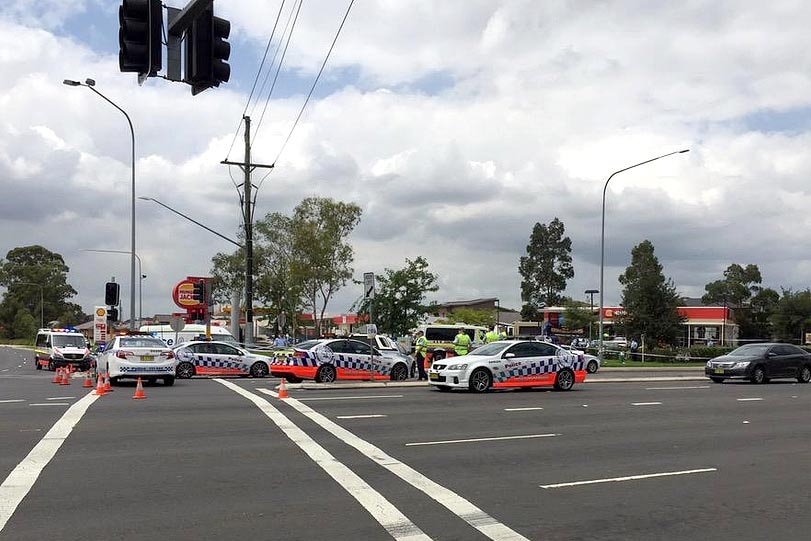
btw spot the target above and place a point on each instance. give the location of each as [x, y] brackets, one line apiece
[90, 83]
[140, 281]
[602, 237]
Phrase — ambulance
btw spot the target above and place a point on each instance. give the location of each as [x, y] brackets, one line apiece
[55, 348]
[190, 332]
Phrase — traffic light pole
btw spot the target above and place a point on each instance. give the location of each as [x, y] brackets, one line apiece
[247, 216]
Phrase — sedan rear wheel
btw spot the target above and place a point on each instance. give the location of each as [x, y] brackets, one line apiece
[564, 380]
[259, 370]
[804, 375]
[185, 370]
[480, 380]
[591, 367]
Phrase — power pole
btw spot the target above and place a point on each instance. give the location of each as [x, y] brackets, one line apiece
[247, 217]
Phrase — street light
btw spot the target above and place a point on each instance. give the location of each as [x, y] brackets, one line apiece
[41, 301]
[90, 83]
[140, 281]
[602, 236]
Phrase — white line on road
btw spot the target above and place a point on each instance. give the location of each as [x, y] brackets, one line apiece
[455, 503]
[370, 416]
[23, 477]
[748, 399]
[628, 478]
[349, 397]
[646, 403]
[384, 512]
[522, 409]
[61, 398]
[10, 401]
[676, 388]
[51, 404]
[471, 440]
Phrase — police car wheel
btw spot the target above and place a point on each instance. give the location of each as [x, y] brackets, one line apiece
[51, 366]
[591, 367]
[564, 380]
[325, 374]
[259, 370]
[185, 370]
[399, 372]
[480, 380]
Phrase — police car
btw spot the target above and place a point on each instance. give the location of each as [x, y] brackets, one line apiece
[134, 355]
[337, 358]
[218, 359]
[510, 364]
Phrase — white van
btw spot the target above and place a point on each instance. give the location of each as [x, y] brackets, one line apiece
[55, 348]
[190, 332]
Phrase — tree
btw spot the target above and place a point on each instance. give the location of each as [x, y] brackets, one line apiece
[736, 290]
[398, 305]
[755, 320]
[277, 283]
[546, 267]
[649, 300]
[31, 273]
[791, 317]
[578, 315]
[320, 258]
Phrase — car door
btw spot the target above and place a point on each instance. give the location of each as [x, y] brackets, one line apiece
[785, 361]
[522, 364]
[366, 361]
[231, 361]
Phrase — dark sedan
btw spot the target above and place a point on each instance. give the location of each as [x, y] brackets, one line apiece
[761, 362]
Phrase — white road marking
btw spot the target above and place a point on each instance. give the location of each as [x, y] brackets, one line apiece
[748, 399]
[51, 404]
[646, 403]
[10, 401]
[22, 478]
[455, 503]
[629, 478]
[676, 388]
[61, 398]
[522, 409]
[369, 416]
[348, 397]
[395, 522]
[4, 370]
[472, 440]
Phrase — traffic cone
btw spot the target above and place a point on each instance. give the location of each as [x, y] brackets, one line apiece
[99, 386]
[65, 378]
[58, 377]
[88, 382]
[282, 389]
[107, 387]
[139, 391]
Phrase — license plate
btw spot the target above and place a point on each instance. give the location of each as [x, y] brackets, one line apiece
[433, 375]
[719, 370]
[147, 358]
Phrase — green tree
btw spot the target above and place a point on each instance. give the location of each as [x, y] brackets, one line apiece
[649, 300]
[578, 315]
[321, 259]
[399, 302]
[792, 316]
[755, 319]
[736, 290]
[277, 283]
[547, 265]
[24, 324]
[31, 273]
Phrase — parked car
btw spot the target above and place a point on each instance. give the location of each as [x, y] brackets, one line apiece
[218, 359]
[618, 342]
[508, 364]
[135, 355]
[759, 363]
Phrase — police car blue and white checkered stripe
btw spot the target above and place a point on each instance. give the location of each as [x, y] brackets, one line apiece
[544, 366]
[339, 360]
[210, 362]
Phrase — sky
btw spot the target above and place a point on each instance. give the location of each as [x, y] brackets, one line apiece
[455, 126]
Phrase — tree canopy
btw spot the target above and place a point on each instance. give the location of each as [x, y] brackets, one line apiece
[546, 267]
[792, 316]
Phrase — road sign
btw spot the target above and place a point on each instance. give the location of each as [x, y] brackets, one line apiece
[368, 285]
[371, 329]
[177, 323]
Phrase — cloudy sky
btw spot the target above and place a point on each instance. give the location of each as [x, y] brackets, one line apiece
[455, 125]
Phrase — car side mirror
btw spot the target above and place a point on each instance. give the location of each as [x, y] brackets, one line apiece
[509, 355]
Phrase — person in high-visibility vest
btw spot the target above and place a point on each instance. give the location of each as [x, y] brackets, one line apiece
[491, 336]
[461, 344]
[420, 347]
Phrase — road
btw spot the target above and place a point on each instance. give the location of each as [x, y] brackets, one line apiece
[211, 458]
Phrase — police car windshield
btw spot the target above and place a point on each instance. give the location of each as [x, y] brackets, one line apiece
[493, 348]
[141, 342]
[62, 341]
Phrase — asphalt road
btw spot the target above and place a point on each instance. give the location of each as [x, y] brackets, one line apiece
[670, 458]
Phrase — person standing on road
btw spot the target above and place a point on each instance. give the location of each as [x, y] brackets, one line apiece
[491, 336]
[420, 347]
[461, 344]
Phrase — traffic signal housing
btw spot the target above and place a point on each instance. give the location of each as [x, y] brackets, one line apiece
[139, 36]
[111, 290]
[199, 293]
[112, 314]
[207, 52]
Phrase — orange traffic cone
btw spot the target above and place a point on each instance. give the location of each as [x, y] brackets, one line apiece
[99, 387]
[282, 389]
[88, 382]
[139, 391]
[107, 387]
[58, 377]
[65, 378]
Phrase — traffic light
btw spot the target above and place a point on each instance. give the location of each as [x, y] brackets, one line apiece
[199, 293]
[111, 294]
[112, 314]
[139, 36]
[207, 52]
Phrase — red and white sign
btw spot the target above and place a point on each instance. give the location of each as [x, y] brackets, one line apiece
[183, 294]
